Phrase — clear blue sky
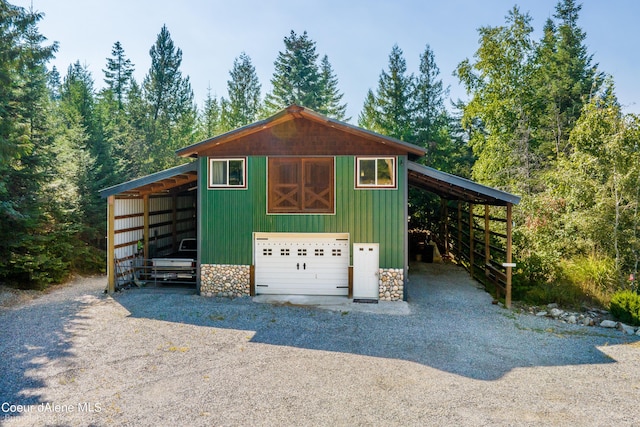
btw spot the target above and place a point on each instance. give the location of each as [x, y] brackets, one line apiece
[356, 35]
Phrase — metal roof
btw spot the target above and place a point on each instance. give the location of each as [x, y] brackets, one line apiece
[453, 187]
[156, 182]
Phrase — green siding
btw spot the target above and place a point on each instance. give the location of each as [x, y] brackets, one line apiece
[229, 217]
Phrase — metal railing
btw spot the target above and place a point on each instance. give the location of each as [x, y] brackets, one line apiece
[142, 272]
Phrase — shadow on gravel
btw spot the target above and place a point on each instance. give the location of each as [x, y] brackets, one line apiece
[32, 335]
[452, 327]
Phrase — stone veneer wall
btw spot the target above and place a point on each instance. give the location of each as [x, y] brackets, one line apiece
[391, 284]
[220, 280]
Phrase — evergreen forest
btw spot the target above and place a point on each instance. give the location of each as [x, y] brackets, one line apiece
[542, 121]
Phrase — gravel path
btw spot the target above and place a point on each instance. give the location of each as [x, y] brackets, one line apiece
[167, 357]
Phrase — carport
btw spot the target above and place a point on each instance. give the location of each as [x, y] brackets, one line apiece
[147, 217]
[478, 238]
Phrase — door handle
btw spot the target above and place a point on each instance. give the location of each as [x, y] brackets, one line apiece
[304, 266]
[298, 266]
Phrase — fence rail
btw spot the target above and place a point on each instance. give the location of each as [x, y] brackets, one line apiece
[481, 243]
[141, 272]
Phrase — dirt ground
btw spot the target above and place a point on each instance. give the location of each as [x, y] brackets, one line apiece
[75, 356]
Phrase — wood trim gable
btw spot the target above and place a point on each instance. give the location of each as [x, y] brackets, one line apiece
[299, 131]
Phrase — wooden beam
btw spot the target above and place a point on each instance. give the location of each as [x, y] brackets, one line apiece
[111, 276]
[507, 301]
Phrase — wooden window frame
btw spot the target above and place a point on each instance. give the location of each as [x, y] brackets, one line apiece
[226, 186]
[394, 173]
[299, 191]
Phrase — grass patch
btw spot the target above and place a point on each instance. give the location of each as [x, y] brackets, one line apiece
[584, 280]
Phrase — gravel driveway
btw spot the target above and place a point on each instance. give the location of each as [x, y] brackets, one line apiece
[168, 357]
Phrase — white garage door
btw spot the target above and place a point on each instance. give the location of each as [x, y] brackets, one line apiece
[301, 263]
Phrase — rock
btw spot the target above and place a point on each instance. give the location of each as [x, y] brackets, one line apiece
[608, 324]
[556, 312]
[638, 332]
[552, 305]
[572, 319]
[588, 321]
[630, 330]
[541, 313]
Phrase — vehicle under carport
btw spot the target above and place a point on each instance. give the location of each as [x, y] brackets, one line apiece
[146, 218]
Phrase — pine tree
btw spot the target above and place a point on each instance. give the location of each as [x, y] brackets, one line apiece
[566, 78]
[54, 83]
[32, 244]
[390, 109]
[331, 97]
[210, 119]
[136, 159]
[111, 111]
[95, 162]
[244, 94]
[171, 118]
[118, 74]
[369, 116]
[430, 113]
[296, 78]
[434, 128]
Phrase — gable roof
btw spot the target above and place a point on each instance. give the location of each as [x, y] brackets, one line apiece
[288, 116]
[453, 187]
[156, 182]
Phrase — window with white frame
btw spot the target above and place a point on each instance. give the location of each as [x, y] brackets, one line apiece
[375, 172]
[227, 173]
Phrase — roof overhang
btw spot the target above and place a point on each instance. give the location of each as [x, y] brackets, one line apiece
[174, 179]
[452, 187]
[296, 112]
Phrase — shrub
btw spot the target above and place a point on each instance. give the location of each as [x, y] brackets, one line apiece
[625, 306]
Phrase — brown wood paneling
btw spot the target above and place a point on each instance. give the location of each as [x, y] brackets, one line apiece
[301, 185]
[301, 138]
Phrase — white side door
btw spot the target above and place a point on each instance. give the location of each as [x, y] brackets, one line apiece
[366, 261]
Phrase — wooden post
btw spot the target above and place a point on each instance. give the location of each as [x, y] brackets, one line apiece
[487, 244]
[252, 280]
[111, 251]
[459, 247]
[487, 232]
[507, 301]
[472, 242]
[145, 203]
[445, 225]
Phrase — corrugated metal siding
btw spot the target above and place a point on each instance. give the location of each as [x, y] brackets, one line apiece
[126, 241]
[229, 217]
[185, 216]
